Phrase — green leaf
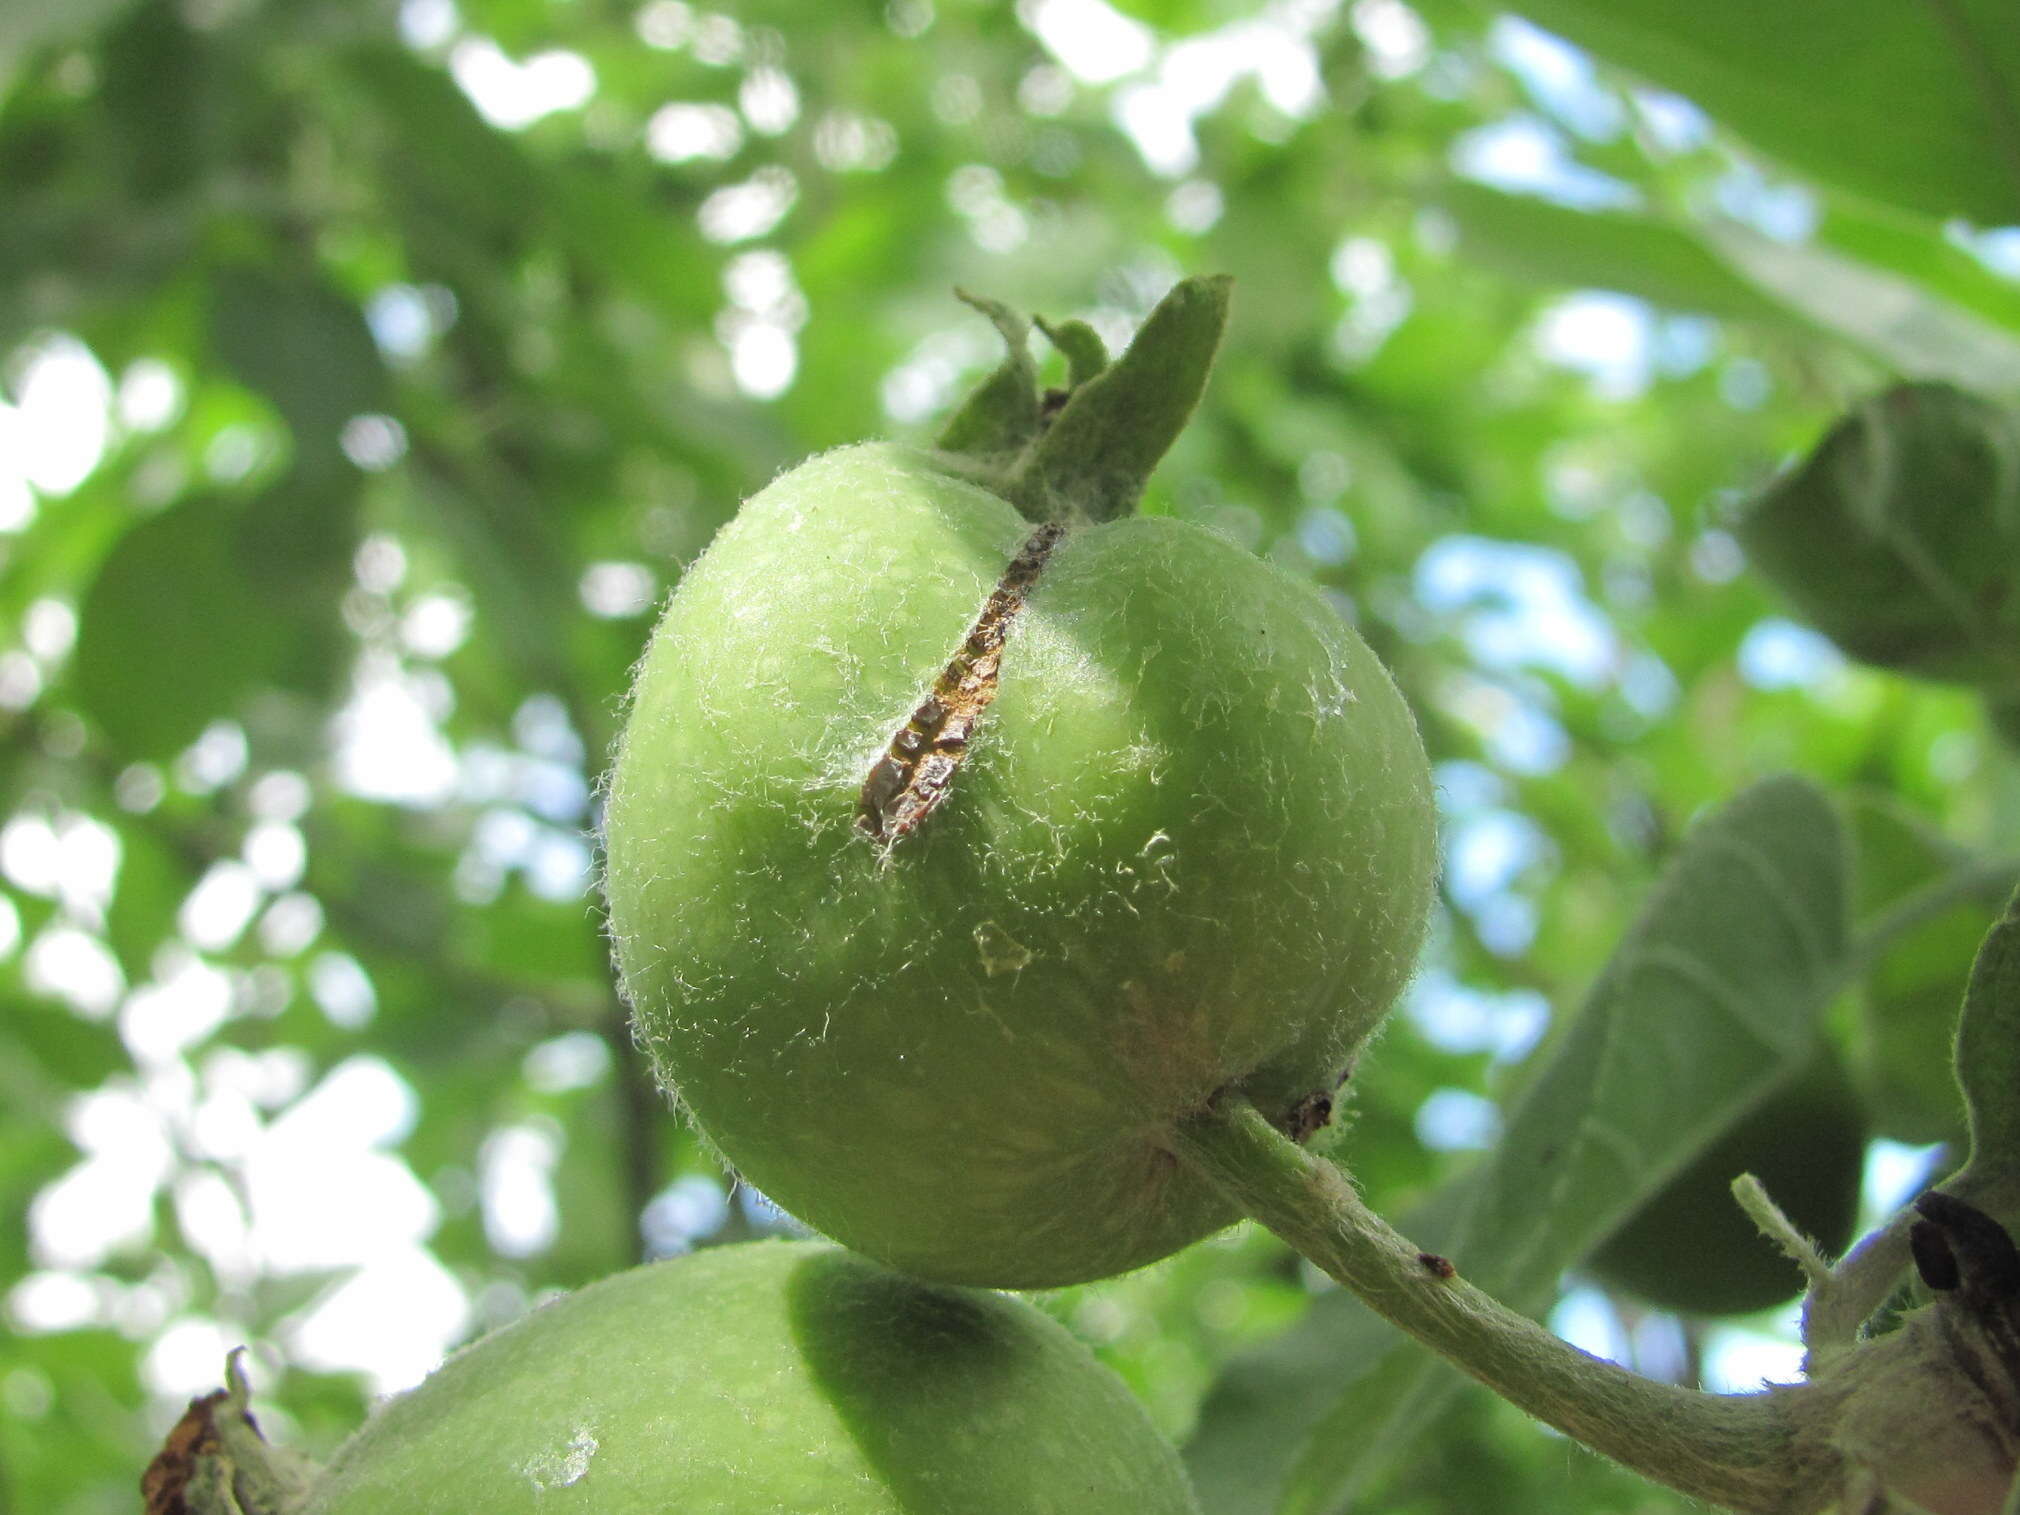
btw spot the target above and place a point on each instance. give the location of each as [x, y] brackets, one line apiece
[453, 171]
[1909, 1002]
[154, 880]
[1916, 247]
[471, 185]
[194, 608]
[171, 634]
[302, 345]
[533, 941]
[1897, 320]
[1913, 104]
[165, 101]
[1899, 537]
[1712, 1001]
[299, 535]
[1002, 413]
[1080, 344]
[1541, 243]
[615, 229]
[24, 29]
[80, 1456]
[2003, 711]
[65, 1051]
[33, 1149]
[1100, 450]
[1988, 1067]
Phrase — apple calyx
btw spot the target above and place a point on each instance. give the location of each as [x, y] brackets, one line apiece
[1083, 453]
[216, 1462]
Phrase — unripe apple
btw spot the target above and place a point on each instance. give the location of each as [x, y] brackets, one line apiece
[786, 1376]
[954, 854]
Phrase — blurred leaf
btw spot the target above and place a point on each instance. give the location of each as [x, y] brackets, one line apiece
[379, 884]
[33, 1152]
[1900, 322]
[648, 252]
[596, 1220]
[1911, 996]
[80, 1452]
[1917, 248]
[163, 99]
[280, 1294]
[472, 183]
[1899, 536]
[177, 631]
[61, 550]
[302, 345]
[1988, 1068]
[153, 881]
[1547, 244]
[511, 554]
[72, 1053]
[524, 937]
[33, 24]
[299, 535]
[1490, 1459]
[2002, 711]
[1914, 104]
[1896, 852]
[1711, 1002]
[171, 633]
[479, 188]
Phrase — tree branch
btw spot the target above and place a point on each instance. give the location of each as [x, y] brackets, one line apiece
[1734, 1450]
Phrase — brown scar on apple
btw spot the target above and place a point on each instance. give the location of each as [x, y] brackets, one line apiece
[912, 777]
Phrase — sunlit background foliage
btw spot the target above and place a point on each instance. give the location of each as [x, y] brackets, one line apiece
[371, 370]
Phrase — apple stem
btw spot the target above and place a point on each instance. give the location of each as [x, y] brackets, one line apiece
[1732, 1450]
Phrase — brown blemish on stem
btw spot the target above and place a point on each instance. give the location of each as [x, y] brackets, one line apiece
[1309, 1116]
[910, 780]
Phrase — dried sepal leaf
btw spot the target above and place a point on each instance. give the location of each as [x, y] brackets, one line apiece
[216, 1462]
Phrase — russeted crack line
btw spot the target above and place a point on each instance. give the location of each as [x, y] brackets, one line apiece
[912, 777]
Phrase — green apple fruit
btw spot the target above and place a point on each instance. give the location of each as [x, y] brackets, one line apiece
[770, 1376]
[1693, 1250]
[967, 831]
